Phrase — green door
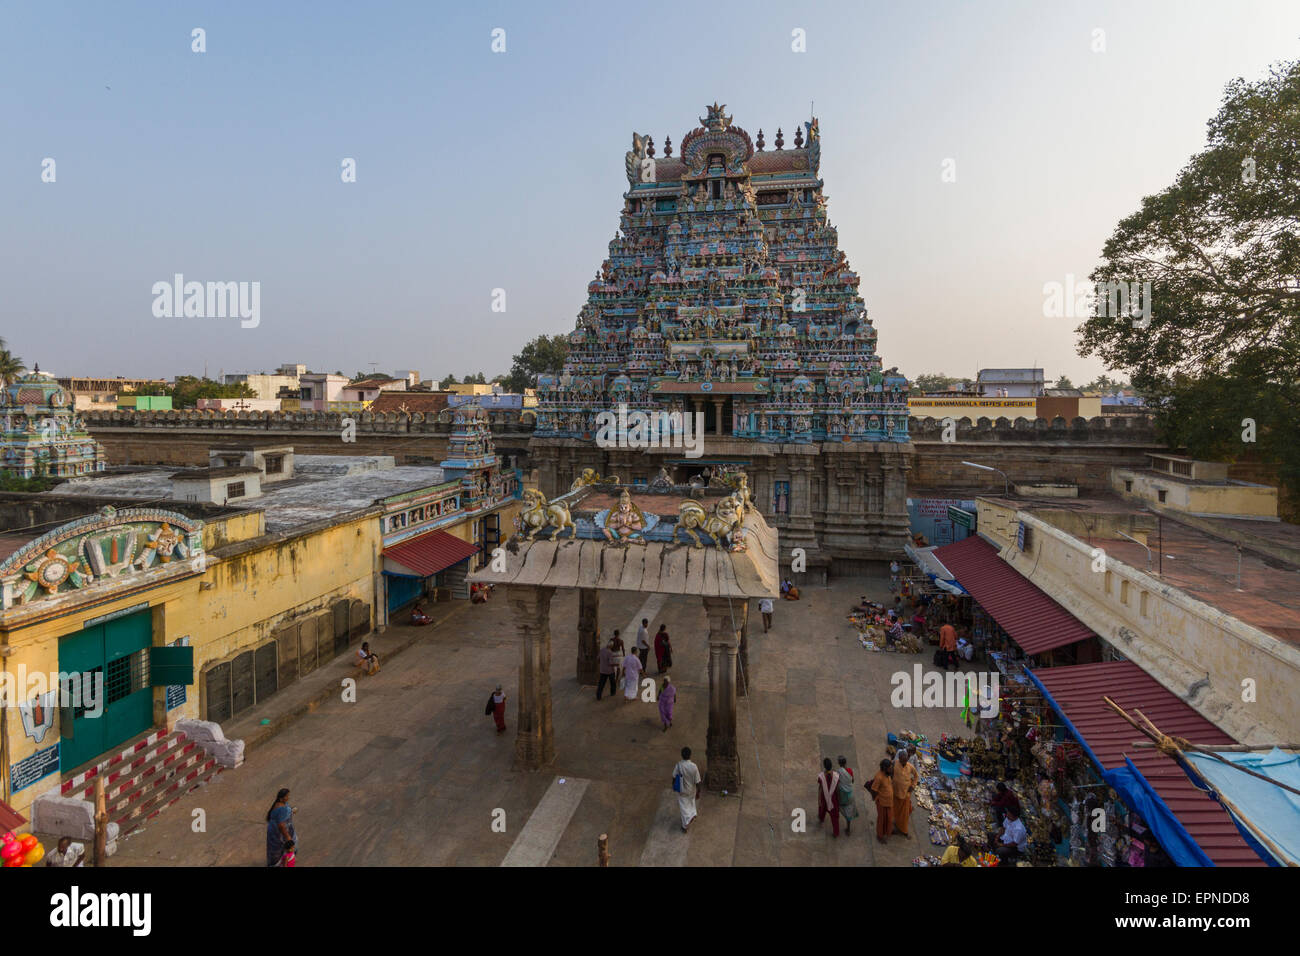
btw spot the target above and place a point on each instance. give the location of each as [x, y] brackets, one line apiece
[115, 653]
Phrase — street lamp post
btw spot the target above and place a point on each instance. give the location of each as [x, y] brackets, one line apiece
[1007, 487]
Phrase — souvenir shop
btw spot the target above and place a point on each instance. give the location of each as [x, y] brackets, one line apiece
[1072, 816]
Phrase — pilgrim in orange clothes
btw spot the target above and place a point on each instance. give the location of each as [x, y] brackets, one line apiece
[882, 790]
[905, 781]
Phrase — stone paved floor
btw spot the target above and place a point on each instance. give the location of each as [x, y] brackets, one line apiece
[413, 773]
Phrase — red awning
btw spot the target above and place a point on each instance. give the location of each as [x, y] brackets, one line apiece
[1077, 692]
[10, 819]
[1034, 621]
[430, 553]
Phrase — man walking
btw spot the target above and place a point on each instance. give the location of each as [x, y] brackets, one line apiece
[606, 659]
[948, 645]
[765, 608]
[686, 781]
[643, 641]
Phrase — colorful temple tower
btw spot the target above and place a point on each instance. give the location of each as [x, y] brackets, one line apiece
[472, 460]
[41, 434]
[726, 295]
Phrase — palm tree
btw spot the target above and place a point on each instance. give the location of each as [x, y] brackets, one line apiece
[11, 366]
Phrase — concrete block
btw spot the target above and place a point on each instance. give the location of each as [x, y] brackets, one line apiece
[200, 731]
[68, 816]
[65, 816]
[228, 753]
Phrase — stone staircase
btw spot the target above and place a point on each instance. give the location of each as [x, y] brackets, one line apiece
[147, 776]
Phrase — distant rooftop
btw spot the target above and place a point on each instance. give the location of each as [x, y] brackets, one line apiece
[1010, 375]
[323, 486]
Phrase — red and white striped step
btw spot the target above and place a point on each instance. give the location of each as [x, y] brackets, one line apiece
[145, 777]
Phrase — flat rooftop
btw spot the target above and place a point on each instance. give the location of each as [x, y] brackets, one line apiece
[323, 486]
[1203, 563]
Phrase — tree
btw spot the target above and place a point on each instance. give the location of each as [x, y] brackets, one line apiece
[186, 390]
[1105, 384]
[475, 379]
[544, 355]
[933, 382]
[1217, 348]
[11, 366]
[1063, 382]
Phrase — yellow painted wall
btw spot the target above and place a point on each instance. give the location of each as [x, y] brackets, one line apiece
[1246, 500]
[974, 408]
[1177, 639]
[256, 591]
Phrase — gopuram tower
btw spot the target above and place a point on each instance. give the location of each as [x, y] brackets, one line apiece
[725, 293]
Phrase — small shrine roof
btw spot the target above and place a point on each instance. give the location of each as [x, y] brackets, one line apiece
[779, 161]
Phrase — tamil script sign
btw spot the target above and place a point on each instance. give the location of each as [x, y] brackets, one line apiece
[27, 771]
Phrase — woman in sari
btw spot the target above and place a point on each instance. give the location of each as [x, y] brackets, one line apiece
[663, 649]
[848, 809]
[667, 698]
[279, 827]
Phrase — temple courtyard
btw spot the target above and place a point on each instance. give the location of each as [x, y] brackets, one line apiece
[413, 773]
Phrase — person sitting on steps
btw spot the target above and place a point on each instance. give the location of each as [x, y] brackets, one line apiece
[368, 662]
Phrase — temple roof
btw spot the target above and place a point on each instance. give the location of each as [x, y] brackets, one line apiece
[671, 566]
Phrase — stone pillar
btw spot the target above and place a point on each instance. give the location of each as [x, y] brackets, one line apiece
[534, 737]
[722, 763]
[717, 416]
[588, 636]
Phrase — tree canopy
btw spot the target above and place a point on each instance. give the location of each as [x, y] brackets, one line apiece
[11, 366]
[1219, 349]
[939, 382]
[186, 390]
[544, 355]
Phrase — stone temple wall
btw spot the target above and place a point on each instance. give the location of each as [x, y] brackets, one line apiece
[846, 504]
[184, 437]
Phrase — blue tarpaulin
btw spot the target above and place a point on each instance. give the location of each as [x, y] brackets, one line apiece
[1138, 794]
[1272, 811]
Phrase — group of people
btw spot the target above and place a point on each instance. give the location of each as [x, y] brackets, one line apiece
[890, 789]
[620, 666]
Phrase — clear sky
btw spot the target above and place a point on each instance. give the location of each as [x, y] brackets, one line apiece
[479, 170]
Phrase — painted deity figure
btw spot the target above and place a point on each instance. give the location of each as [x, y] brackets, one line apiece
[626, 522]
